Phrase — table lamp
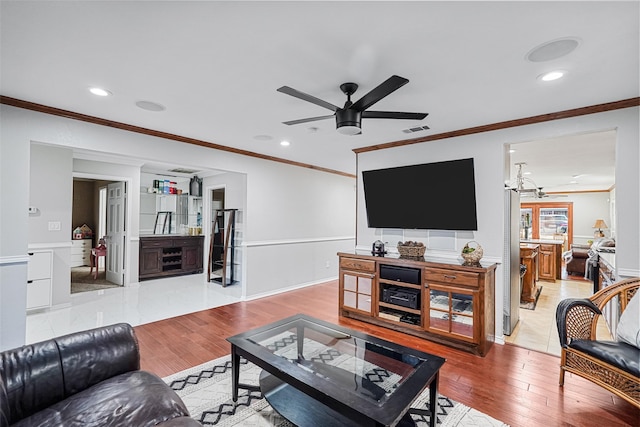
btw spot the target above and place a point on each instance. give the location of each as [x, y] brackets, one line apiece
[599, 225]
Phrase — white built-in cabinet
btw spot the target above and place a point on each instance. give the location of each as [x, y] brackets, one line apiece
[39, 273]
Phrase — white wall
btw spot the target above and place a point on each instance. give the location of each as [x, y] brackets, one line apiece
[51, 192]
[14, 202]
[488, 152]
[291, 221]
[297, 220]
[286, 205]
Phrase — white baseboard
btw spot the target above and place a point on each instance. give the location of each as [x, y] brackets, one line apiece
[287, 289]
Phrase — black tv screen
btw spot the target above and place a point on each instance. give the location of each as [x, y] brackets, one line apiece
[433, 196]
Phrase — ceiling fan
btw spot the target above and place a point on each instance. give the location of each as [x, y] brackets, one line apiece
[534, 191]
[521, 181]
[349, 117]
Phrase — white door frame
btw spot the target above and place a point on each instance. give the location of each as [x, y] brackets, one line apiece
[128, 217]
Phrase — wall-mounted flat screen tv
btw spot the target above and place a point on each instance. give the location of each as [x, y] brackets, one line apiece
[432, 196]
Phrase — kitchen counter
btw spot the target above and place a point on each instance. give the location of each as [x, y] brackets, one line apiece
[545, 241]
[529, 258]
[528, 246]
[549, 258]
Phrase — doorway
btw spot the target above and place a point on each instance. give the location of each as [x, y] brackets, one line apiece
[90, 218]
[568, 180]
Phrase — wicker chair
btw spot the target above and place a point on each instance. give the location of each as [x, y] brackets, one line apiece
[610, 364]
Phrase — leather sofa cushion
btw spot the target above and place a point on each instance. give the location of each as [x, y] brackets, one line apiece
[88, 357]
[618, 354]
[135, 398]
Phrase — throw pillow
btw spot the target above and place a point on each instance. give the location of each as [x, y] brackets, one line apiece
[628, 329]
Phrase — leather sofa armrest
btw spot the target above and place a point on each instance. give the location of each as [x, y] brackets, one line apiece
[38, 375]
[32, 377]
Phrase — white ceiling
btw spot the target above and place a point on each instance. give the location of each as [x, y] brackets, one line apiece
[216, 66]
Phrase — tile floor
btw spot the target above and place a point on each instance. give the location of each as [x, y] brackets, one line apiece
[141, 303]
[537, 328]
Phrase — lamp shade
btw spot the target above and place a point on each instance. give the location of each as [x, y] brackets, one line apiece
[600, 224]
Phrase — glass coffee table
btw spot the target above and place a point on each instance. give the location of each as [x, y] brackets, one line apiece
[317, 373]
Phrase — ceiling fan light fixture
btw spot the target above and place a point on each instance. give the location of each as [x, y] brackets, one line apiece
[349, 130]
[348, 121]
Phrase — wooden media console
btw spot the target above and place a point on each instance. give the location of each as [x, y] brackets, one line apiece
[438, 300]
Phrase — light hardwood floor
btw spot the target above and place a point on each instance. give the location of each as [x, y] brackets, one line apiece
[537, 329]
[515, 385]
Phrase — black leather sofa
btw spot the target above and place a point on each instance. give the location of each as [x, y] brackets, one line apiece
[89, 378]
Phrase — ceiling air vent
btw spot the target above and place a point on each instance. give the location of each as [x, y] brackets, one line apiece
[183, 170]
[416, 129]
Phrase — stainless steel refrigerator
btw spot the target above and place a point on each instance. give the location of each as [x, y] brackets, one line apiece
[512, 287]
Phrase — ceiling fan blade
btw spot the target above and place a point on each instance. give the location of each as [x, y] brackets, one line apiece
[393, 115]
[307, 97]
[390, 85]
[310, 119]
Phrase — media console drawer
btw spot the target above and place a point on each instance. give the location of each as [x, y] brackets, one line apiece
[357, 264]
[451, 276]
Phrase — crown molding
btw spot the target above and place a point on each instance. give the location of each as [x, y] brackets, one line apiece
[19, 103]
[575, 112]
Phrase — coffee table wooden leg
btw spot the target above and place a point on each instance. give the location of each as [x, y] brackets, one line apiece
[235, 372]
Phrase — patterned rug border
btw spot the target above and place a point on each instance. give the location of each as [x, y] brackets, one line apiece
[206, 390]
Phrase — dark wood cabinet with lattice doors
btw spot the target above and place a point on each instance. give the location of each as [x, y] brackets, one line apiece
[222, 250]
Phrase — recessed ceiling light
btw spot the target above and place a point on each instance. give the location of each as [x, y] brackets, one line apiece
[552, 75]
[150, 106]
[285, 143]
[527, 173]
[512, 151]
[99, 91]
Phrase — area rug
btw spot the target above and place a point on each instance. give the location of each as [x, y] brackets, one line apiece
[206, 390]
[532, 305]
[82, 280]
